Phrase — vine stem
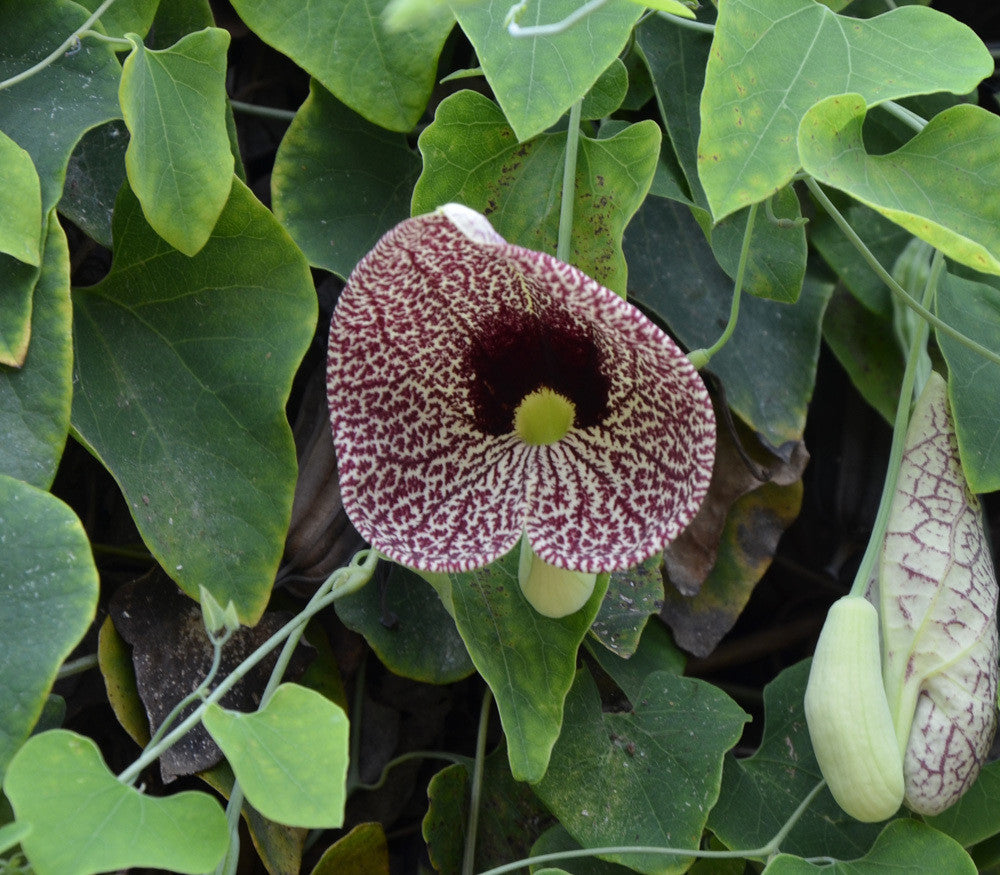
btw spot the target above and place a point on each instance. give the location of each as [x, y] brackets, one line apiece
[701, 357]
[769, 850]
[285, 115]
[569, 183]
[917, 343]
[886, 277]
[57, 53]
[342, 582]
[476, 791]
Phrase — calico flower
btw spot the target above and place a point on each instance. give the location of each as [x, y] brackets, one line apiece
[481, 392]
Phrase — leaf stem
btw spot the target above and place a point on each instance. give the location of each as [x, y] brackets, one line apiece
[58, 52]
[918, 123]
[77, 666]
[569, 184]
[701, 357]
[886, 277]
[285, 115]
[342, 582]
[918, 343]
[121, 43]
[453, 758]
[689, 23]
[476, 791]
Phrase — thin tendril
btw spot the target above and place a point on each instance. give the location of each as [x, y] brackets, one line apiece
[557, 27]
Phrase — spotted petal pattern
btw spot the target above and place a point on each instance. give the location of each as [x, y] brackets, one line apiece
[439, 327]
[939, 613]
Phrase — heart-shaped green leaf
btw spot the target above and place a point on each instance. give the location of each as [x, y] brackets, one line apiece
[973, 384]
[384, 75]
[903, 846]
[644, 777]
[932, 186]
[84, 820]
[48, 595]
[771, 62]
[537, 78]
[179, 161]
[340, 182]
[471, 156]
[35, 398]
[527, 659]
[180, 383]
[290, 757]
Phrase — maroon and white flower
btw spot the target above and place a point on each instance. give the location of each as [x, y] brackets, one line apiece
[480, 391]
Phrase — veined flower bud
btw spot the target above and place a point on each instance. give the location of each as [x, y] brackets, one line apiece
[938, 596]
[849, 720]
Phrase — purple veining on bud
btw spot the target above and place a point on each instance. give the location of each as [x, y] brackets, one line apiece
[938, 595]
[480, 391]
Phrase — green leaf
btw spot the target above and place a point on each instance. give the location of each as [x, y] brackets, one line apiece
[181, 378]
[124, 16]
[633, 596]
[866, 347]
[676, 58]
[537, 78]
[363, 851]
[674, 7]
[11, 835]
[776, 263]
[340, 182]
[178, 160]
[35, 399]
[769, 365]
[385, 76]
[558, 839]
[656, 652]
[48, 596]
[903, 846]
[761, 792]
[973, 384]
[607, 92]
[94, 177]
[84, 820]
[645, 777]
[527, 659]
[17, 283]
[932, 186]
[408, 627]
[771, 62]
[510, 815]
[471, 156]
[47, 113]
[20, 204]
[290, 757]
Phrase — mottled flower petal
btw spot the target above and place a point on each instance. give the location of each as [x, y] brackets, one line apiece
[939, 613]
[441, 331]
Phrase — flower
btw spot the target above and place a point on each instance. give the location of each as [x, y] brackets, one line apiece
[480, 391]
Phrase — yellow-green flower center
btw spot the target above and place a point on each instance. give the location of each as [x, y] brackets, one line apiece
[543, 417]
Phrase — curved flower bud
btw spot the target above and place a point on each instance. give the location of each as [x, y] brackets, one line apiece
[480, 391]
[938, 597]
[849, 722]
